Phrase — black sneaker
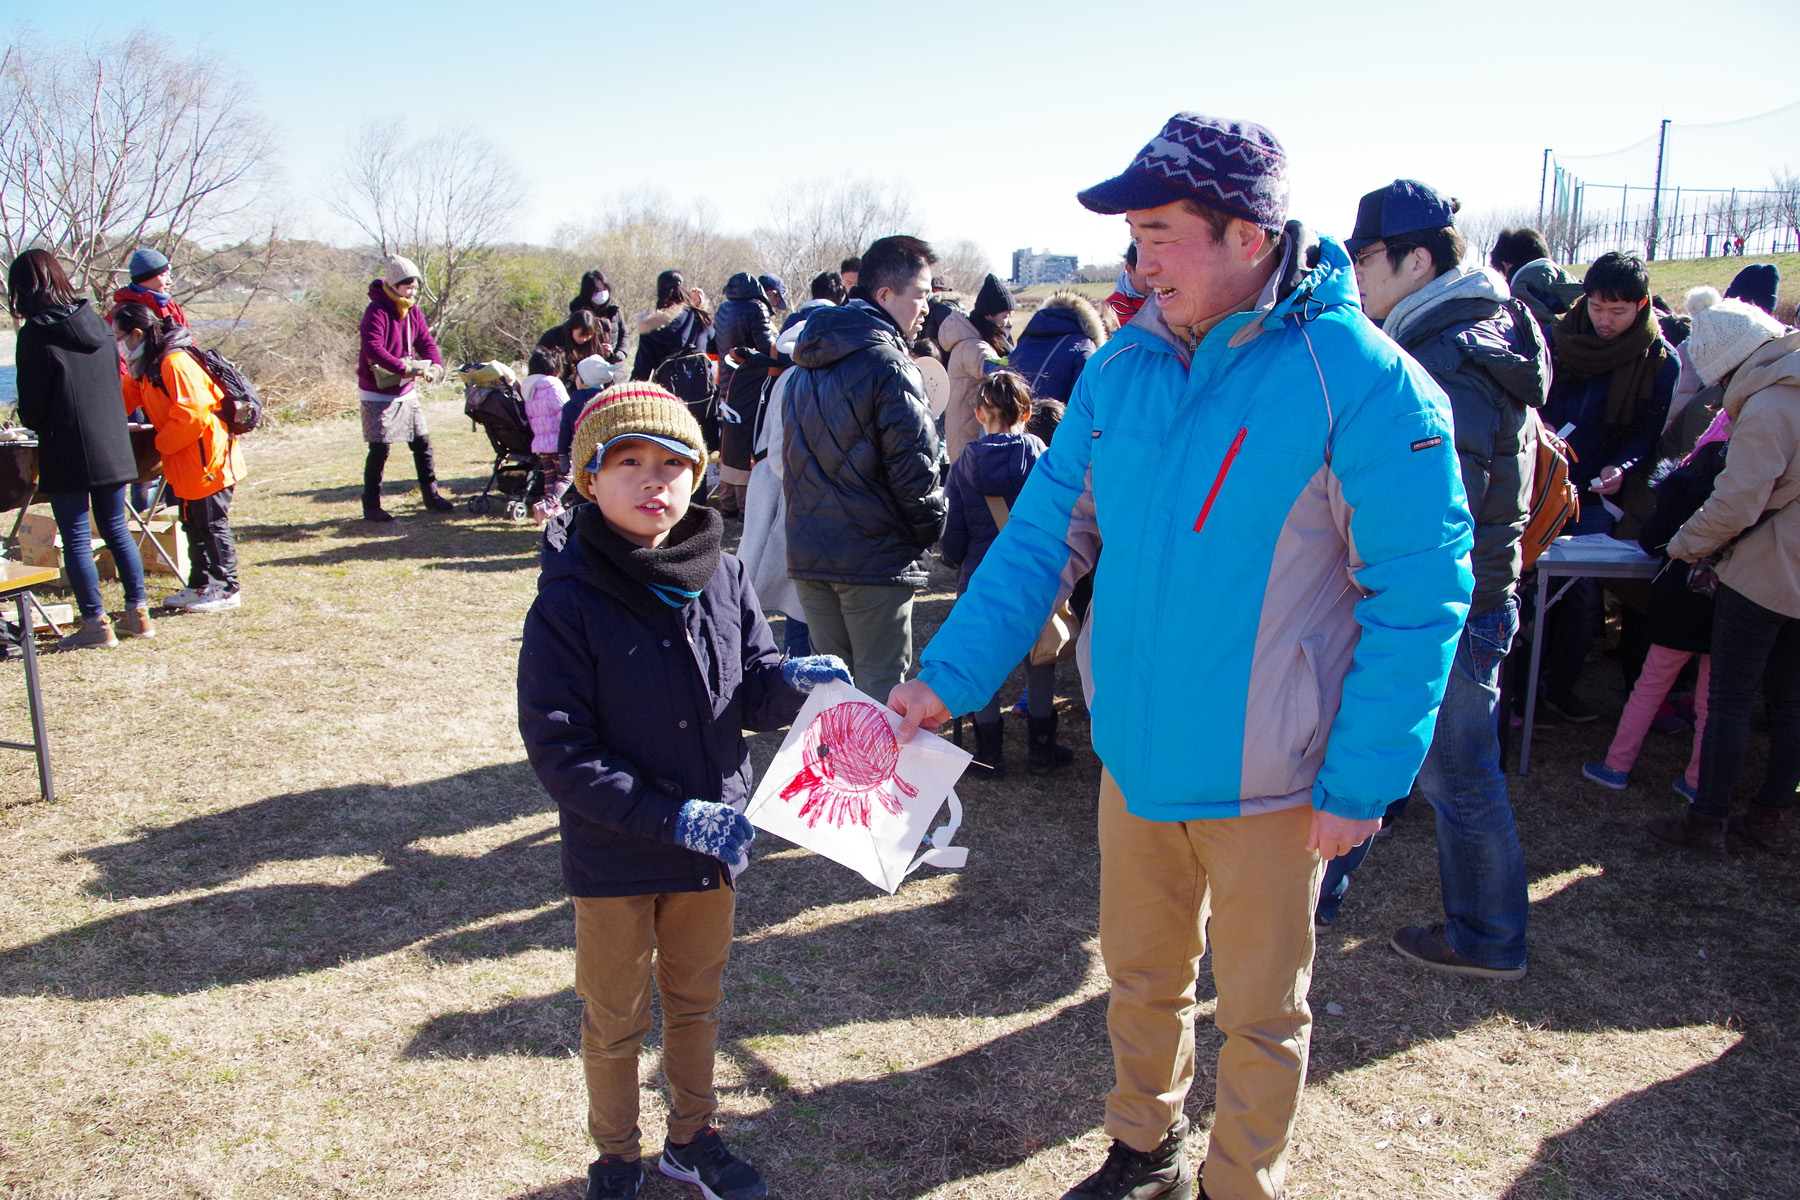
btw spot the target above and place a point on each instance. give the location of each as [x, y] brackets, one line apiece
[613, 1178]
[1127, 1174]
[1567, 706]
[716, 1171]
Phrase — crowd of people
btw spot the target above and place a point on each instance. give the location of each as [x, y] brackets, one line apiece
[1310, 465]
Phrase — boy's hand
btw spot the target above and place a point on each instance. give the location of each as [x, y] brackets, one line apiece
[715, 830]
[805, 674]
[919, 708]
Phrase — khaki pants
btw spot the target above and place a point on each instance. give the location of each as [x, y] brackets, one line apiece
[1166, 886]
[615, 937]
[868, 625]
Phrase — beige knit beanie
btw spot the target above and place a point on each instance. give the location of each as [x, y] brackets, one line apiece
[1726, 332]
[642, 408]
[399, 268]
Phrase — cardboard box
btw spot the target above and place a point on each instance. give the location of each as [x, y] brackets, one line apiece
[167, 535]
[39, 529]
[62, 614]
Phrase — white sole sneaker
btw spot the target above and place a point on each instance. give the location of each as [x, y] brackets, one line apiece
[216, 604]
[181, 599]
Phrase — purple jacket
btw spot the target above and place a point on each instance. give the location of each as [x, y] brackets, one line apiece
[386, 338]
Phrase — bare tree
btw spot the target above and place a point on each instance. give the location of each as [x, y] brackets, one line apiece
[442, 201]
[817, 223]
[638, 235]
[964, 263]
[103, 149]
[1786, 201]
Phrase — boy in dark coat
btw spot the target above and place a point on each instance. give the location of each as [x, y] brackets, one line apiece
[645, 656]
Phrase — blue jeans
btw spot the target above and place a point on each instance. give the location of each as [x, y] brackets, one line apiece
[1750, 645]
[1480, 866]
[71, 511]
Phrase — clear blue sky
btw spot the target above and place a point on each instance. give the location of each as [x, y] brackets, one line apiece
[994, 114]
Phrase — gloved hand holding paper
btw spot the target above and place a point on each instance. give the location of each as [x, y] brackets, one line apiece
[843, 787]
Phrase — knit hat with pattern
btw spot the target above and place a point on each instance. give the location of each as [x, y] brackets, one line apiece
[1726, 332]
[398, 269]
[634, 408]
[1233, 167]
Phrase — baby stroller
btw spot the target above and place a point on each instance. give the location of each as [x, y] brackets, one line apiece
[491, 400]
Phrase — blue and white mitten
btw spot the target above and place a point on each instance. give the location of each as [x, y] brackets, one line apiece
[715, 830]
[805, 674]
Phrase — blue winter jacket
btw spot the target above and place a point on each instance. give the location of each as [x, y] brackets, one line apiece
[629, 707]
[995, 464]
[1056, 344]
[1287, 557]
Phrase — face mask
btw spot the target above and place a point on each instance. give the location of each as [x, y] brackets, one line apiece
[600, 297]
[132, 353]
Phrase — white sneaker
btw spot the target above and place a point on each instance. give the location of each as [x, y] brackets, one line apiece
[181, 599]
[210, 601]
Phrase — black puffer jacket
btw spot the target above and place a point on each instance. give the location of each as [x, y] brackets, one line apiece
[629, 707]
[68, 371]
[860, 467]
[1680, 618]
[743, 321]
[1491, 359]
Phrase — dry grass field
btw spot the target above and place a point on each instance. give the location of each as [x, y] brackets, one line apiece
[293, 928]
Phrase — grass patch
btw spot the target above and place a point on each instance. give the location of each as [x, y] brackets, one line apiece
[295, 929]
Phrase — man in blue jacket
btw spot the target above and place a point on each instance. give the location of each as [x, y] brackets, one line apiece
[1286, 577]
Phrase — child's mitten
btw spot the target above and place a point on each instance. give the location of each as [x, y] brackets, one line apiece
[805, 674]
[715, 830]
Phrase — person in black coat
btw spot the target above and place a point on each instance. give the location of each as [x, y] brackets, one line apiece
[860, 467]
[68, 378]
[743, 326]
[595, 296]
[680, 325]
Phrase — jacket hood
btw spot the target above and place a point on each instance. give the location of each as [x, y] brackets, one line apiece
[71, 327]
[997, 463]
[1774, 363]
[1065, 313]
[378, 295]
[833, 334]
[957, 327]
[650, 322]
[745, 286]
[1458, 283]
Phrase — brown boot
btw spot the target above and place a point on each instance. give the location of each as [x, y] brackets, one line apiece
[135, 622]
[1764, 828]
[94, 631]
[1690, 831]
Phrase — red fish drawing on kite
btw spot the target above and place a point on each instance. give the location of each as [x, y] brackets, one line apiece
[849, 758]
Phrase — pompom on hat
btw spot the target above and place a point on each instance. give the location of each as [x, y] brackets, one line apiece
[1726, 332]
[1234, 167]
[641, 410]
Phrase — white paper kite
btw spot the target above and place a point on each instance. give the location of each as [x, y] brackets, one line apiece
[843, 787]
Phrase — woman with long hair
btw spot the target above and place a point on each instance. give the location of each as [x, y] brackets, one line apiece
[573, 340]
[681, 324]
[202, 461]
[68, 378]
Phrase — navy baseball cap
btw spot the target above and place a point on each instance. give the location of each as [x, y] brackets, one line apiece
[1403, 206]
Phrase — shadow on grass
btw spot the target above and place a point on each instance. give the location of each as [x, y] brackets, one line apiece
[452, 541]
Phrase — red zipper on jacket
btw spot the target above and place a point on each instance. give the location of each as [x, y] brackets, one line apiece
[1237, 443]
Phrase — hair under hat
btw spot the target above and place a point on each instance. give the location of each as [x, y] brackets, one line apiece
[1726, 332]
[398, 269]
[633, 408]
[994, 297]
[147, 261]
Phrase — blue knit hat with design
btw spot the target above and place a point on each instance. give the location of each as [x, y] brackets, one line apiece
[1233, 167]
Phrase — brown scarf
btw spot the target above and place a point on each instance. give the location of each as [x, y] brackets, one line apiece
[1633, 359]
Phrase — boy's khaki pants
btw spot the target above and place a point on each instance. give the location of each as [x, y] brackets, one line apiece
[689, 934]
[1250, 884]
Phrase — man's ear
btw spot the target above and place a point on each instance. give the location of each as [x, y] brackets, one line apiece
[1251, 238]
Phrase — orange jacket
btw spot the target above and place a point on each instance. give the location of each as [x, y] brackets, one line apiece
[199, 454]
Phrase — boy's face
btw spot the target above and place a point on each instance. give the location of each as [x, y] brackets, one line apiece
[642, 490]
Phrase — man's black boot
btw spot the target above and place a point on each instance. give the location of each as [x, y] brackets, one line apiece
[435, 500]
[1045, 755]
[1162, 1174]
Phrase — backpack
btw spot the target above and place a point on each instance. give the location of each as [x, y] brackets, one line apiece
[241, 409]
[1554, 500]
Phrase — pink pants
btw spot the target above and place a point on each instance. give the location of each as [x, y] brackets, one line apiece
[1653, 684]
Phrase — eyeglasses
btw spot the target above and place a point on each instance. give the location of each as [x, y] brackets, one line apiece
[1368, 253]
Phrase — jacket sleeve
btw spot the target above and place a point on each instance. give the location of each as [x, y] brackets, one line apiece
[1408, 529]
[1639, 449]
[373, 333]
[641, 368]
[560, 728]
[423, 343]
[620, 333]
[761, 333]
[1762, 453]
[768, 702]
[189, 413]
[909, 452]
[954, 545]
[1048, 541]
[33, 382]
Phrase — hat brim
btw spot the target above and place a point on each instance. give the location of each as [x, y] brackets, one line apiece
[667, 443]
[1130, 192]
[1355, 246]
